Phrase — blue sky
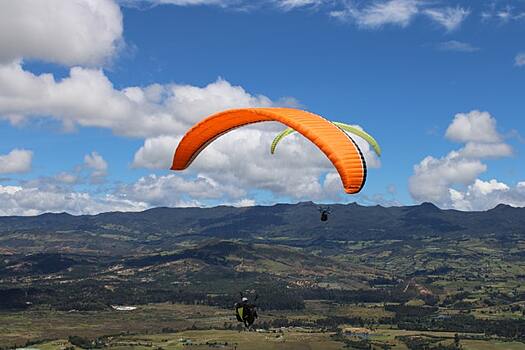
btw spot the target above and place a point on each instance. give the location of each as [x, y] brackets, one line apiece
[91, 109]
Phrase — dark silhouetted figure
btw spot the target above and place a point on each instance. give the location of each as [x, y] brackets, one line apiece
[325, 211]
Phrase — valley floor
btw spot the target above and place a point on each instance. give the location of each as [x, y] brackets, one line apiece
[177, 326]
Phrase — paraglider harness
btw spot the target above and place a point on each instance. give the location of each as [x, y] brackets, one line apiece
[325, 211]
[246, 313]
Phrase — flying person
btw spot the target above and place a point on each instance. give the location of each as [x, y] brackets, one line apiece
[246, 312]
[325, 211]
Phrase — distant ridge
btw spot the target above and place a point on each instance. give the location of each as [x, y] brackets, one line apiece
[348, 221]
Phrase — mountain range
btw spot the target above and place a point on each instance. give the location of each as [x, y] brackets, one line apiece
[300, 221]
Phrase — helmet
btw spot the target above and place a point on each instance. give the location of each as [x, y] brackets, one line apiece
[244, 299]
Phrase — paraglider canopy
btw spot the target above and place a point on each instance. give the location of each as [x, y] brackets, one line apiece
[340, 149]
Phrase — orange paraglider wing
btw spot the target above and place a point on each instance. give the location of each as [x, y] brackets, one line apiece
[332, 141]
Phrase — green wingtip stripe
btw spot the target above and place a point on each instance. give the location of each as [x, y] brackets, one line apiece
[348, 128]
[279, 137]
[363, 134]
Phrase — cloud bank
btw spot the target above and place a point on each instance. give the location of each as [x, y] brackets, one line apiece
[452, 181]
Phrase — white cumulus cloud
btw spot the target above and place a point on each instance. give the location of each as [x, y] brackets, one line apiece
[474, 126]
[174, 190]
[16, 161]
[433, 177]
[33, 200]
[483, 195]
[69, 32]
[97, 165]
[87, 98]
[156, 153]
[51, 195]
[486, 150]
